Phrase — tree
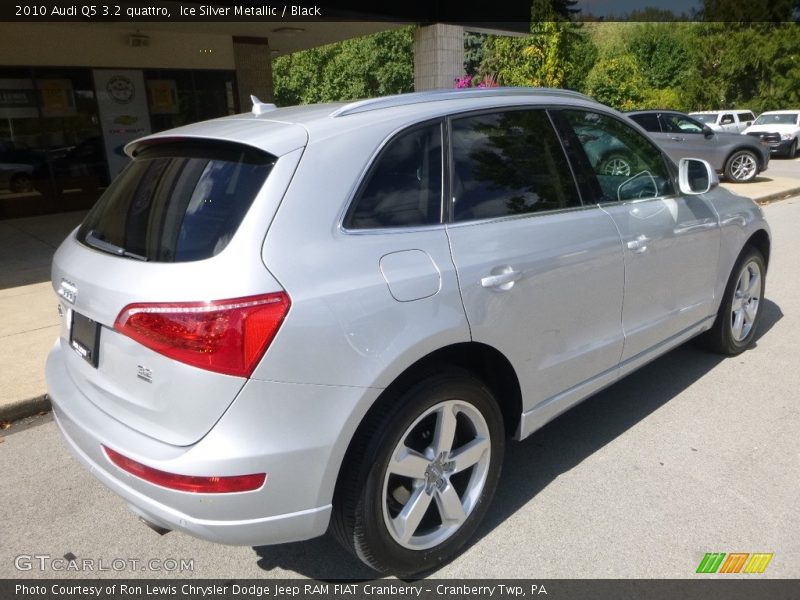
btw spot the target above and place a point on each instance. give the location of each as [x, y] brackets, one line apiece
[558, 53]
[616, 80]
[373, 65]
[660, 52]
[473, 51]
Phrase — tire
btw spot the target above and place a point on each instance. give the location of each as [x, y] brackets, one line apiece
[21, 182]
[616, 164]
[403, 503]
[792, 149]
[740, 311]
[741, 167]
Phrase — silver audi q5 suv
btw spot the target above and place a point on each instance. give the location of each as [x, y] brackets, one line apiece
[334, 316]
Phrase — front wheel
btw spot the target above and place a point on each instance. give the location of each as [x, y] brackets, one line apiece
[742, 166]
[792, 150]
[425, 478]
[740, 311]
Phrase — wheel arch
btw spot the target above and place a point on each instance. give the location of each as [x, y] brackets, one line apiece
[760, 240]
[485, 362]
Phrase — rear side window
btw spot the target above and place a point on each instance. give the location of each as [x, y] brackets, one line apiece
[509, 163]
[403, 188]
[649, 121]
[177, 201]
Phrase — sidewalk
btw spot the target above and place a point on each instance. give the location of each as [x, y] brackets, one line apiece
[29, 322]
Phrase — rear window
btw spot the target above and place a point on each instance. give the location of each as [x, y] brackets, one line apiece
[177, 202]
[649, 121]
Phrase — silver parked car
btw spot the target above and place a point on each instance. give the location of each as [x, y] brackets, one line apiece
[739, 157]
[334, 316]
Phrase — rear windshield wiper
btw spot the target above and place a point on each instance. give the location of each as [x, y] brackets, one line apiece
[105, 246]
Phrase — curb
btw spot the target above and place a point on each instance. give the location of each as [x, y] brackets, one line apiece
[20, 409]
[774, 197]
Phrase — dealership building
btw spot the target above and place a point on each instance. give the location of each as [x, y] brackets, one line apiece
[72, 94]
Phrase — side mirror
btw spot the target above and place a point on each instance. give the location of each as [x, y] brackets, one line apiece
[707, 131]
[696, 176]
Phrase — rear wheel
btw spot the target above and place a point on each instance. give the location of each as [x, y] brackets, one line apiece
[742, 166]
[740, 311]
[424, 480]
[616, 164]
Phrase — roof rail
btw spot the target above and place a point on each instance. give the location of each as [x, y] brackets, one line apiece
[360, 106]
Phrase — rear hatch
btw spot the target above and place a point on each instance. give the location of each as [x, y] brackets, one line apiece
[181, 230]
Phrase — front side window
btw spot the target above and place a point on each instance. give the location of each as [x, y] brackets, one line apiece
[508, 163]
[626, 164]
[403, 188]
[726, 120]
[672, 123]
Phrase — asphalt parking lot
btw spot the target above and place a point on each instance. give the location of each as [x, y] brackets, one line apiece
[691, 454]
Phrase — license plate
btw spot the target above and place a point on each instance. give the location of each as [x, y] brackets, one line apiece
[84, 338]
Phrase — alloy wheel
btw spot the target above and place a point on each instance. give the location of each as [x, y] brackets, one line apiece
[436, 474]
[746, 300]
[743, 167]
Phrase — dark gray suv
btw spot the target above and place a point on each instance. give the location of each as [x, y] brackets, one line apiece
[739, 157]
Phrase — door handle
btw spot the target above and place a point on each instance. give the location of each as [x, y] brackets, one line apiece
[504, 280]
[691, 228]
[639, 245]
[676, 139]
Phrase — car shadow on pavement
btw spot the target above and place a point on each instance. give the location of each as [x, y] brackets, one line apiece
[27, 246]
[530, 466]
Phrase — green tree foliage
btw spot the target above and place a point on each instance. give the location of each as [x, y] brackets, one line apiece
[558, 53]
[512, 60]
[617, 81]
[662, 63]
[752, 11]
[373, 65]
[744, 65]
[660, 51]
[473, 52]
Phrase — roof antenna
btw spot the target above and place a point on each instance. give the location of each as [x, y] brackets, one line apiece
[259, 107]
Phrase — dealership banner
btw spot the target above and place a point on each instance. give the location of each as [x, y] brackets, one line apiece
[394, 589]
[122, 104]
[17, 99]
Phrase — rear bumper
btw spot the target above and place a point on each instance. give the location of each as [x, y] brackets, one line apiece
[297, 434]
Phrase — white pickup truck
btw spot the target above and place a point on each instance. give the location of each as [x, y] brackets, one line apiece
[731, 121]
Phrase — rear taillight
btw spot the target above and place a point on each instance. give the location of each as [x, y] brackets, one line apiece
[187, 483]
[225, 336]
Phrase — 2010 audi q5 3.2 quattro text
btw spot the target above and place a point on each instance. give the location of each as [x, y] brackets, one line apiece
[334, 316]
